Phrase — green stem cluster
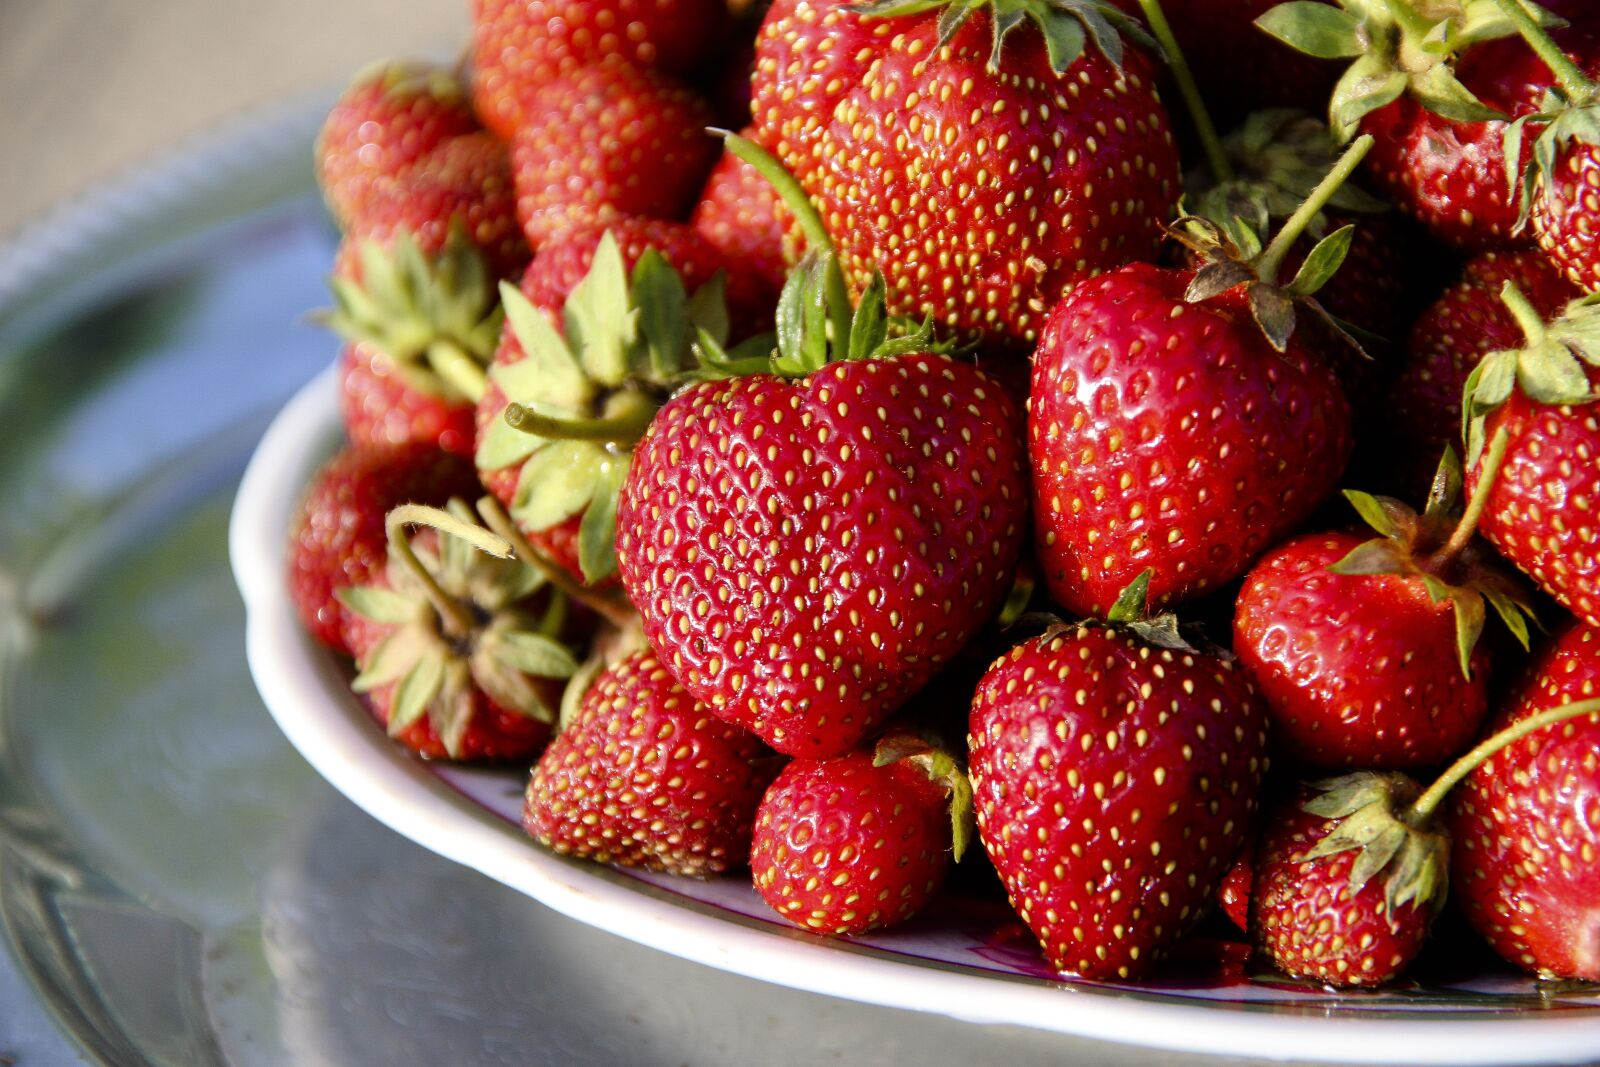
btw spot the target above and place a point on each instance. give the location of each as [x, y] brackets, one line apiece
[1272, 259]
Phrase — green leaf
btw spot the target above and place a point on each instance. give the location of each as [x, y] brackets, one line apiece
[1063, 38]
[869, 327]
[597, 535]
[1323, 262]
[378, 604]
[555, 377]
[708, 308]
[1132, 603]
[1368, 84]
[392, 658]
[534, 654]
[1491, 381]
[415, 692]
[1514, 615]
[1469, 627]
[600, 324]
[1317, 29]
[1378, 556]
[502, 445]
[663, 310]
[1378, 512]
[1438, 90]
[1346, 794]
[1550, 374]
[557, 482]
[802, 317]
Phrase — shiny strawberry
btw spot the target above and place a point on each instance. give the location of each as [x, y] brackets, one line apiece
[337, 537]
[808, 545]
[742, 216]
[1233, 895]
[607, 141]
[1113, 777]
[645, 776]
[856, 842]
[519, 46]
[1527, 823]
[391, 115]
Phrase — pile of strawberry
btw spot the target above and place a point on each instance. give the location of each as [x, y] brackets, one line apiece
[710, 470]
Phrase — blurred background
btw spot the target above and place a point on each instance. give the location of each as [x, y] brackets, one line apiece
[95, 87]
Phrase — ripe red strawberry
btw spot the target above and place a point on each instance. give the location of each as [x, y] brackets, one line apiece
[1527, 824]
[1466, 323]
[856, 842]
[645, 776]
[741, 215]
[1113, 780]
[393, 114]
[458, 642]
[1539, 401]
[608, 141]
[808, 547]
[519, 46]
[337, 537]
[1233, 895]
[981, 191]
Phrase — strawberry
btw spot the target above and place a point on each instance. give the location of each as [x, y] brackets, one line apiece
[645, 776]
[457, 641]
[1463, 325]
[1233, 895]
[337, 537]
[1114, 771]
[856, 842]
[808, 545]
[1527, 823]
[1536, 406]
[584, 386]
[607, 141]
[741, 215]
[983, 171]
[392, 114]
[519, 46]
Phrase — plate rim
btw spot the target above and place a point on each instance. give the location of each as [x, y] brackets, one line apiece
[294, 676]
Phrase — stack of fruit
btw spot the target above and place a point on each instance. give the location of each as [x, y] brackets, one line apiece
[707, 480]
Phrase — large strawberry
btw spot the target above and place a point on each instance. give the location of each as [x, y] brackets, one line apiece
[1114, 772]
[807, 545]
[1527, 824]
[457, 641]
[519, 46]
[337, 536]
[982, 170]
[643, 775]
[856, 842]
[1538, 403]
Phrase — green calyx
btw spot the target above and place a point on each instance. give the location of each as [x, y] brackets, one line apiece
[412, 78]
[1375, 819]
[1396, 47]
[1549, 369]
[1438, 549]
[435, 320]
[467, 617]
[901, 745]
[585, 393]
[1066, 25]
[1131, 612]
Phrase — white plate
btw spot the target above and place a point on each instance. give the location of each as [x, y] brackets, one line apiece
[969, 960]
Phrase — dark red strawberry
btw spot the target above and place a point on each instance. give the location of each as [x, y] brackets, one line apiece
[741, 215]
[1233, 895]
[1113, 778]
[807, 547]
[1527, 823]
[519, 46]
[392, 114]
[644, 776]
[337, 537]
[860, 841]
[608, 141]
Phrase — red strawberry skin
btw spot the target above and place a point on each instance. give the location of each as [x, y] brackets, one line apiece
[378, 408]
[337, 537]
[1113, 782]
[645, 776]
[1233, 895]
[607, 141]
[842, 847]
[1566, 216]
[1526, 824]
[518, 46]
[1307, 921]
[805, 555]
[1170, 435]
[1359, 671]
[740, 215]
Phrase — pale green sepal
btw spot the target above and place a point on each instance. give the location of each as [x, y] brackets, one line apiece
[388, 662]
[600, 324]
[558, 380]
[416, 691]
[1338, 797]
[1439, 91]
[378, 604]
[1064, 39]
[708, 309]
[870, 326]
[663, 323]
[502, 445]
[534, 654]
[1369, 83]
[1323, 261]
[1315, 28]
[1550, 374]
[1381, 513]
[597, 534]
[451, 713]
[1378, 556]
[576, 688]
[557, 482]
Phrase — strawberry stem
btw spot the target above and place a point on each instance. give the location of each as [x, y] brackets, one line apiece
[784, 184]
[1424, 806]
[457, 619]
[1271, 259]
[1494, 458]
[1527, 317]
[494, 516]
[1577, 85]
[617, 429]
[459, 370]
[1210, 143]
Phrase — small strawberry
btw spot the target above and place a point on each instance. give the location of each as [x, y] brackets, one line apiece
[337, 536]
[519, 46]
[742, 216]
[808, 545]
[393, 114]
[643, 775]
[861, 841]
[1527, 823]
[1538, 405]
[1114, 771]
[607, 141]
[1347, 882]
[1366, 651]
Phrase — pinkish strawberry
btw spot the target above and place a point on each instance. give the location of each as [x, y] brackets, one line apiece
[742, 216]
[642, 775]
[853, 843]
